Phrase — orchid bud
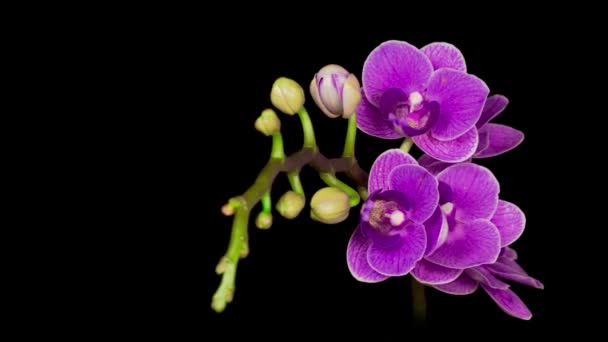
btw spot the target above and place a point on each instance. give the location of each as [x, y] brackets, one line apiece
[287, 95]
[329, 205]
[336, 91]
[290, 204]
[264, 220]
[268, 123]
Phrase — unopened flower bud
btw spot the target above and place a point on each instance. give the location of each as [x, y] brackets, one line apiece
[336, 91]
[290, 204]
[227, 210]
[329, 205]
[264, 220]
[268, 123]
[287, 95]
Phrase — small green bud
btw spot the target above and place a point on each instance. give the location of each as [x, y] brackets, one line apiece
[222, 265]
[268, 123]
[227, 210]
[264, 220]
[290, 204]
[329, 205]
[287, 95]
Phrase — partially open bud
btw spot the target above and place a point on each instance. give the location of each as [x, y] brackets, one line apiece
[268, 123]
[329, 205]
[264, 220]
[290, 204]
[336, 91]
[287, 95]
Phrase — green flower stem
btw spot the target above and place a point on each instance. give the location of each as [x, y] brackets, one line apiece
[225, 292]
[277, 147]
[349, 152]
[331, 180]
[309, 132]
[262, 185]
[407, 145]
[260, 190]
[266, 202]
[418, 302]
[351, 134]
[294, 181]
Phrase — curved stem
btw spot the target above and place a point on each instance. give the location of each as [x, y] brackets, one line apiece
[261, 186]
[407, 145]
[351, 134]
[309, 132]
[277, 146]
[229, 262]
[418, 302]
[331, 180]
[294, 181]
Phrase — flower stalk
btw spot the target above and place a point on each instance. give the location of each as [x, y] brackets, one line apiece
[407, 144]
[241, 205]
[418, 302]
[351, 135]
[277, 147]
[309, 132]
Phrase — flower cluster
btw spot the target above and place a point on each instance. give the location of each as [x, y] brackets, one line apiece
[438, 218]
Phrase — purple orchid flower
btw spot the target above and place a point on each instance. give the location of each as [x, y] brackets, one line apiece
[494, 139]
[391, 236]
[487, 276]
[467, 239]
[461, 233]
[425, 94]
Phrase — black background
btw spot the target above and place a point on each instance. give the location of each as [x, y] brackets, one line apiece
[204, 150]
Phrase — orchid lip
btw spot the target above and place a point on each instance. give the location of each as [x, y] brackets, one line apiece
[384, 217]
[410, 115]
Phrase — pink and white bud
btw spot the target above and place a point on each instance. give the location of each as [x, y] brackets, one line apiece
[336, 91]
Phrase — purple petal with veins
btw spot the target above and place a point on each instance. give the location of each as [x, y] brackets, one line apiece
[371, 121]
[474, 191]
[494, 105]
[509, 302]
[468, 245]
[395, 64]
[356, 258]
[510, 221]
[401, 258]
[436, 231]
[463, 285]
[508, 274]
[433, 165]
[452, 151]
[508, 253]
[420, 189]
[429, 273]
[500, 139]
[460, 97]
[484, 276]
[445, 55]
[383, 165]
